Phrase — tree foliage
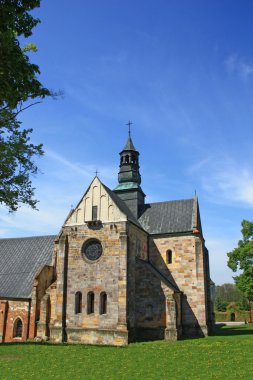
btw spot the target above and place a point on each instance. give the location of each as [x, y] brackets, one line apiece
[19, 89]
[228, 293]
[220, 304]
[241, 258]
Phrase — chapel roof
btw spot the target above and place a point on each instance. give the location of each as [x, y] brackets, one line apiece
[20, 260]
[168, 217]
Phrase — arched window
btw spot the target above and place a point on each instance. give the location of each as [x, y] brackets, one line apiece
[127, 159]
[169, 256]
[103, 303]
[78, 302]
[133, 159]
[17, 328]
[90, 303]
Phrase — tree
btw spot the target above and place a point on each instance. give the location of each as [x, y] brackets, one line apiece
[228, 293]
[19, 90]
[220, 305]
[241, 258]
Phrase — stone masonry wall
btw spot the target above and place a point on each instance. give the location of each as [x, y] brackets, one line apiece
[137, 248]
[187, 272]
[150, 299]
[107, 274]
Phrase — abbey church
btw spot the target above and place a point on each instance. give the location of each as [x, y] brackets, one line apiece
[120, 270]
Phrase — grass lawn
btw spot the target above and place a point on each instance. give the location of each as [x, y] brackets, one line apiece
[226, 355]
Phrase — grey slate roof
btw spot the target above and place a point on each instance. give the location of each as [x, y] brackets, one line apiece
[122, 206]
[20, 261]
[168, 217]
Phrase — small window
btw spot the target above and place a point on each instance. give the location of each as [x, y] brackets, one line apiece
[149, 312]
[78, 302]
[133, 159]
[127, 159]
[169, 256]
[94, 212]
[17, 329]
[103, 303]
[90, 303]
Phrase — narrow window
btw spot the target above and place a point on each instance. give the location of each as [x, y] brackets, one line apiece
[17, 329]
[90, 303]
[169, 256]
[103, 303]
[127, 159]
[149, 312]
[94, 212]
[78, 302]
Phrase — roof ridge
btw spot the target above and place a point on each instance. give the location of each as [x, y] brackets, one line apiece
[175, 200]
[121, 205]
[27, 237]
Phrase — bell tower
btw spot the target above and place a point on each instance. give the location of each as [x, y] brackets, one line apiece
[129, 178]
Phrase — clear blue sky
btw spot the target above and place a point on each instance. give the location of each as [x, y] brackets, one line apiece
[182, 71]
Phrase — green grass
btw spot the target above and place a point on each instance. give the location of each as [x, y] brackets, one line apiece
[227, 355]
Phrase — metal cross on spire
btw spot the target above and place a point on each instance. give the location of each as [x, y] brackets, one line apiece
[96, 172]
[129, 127]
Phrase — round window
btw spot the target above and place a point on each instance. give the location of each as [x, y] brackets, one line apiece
[92, 250]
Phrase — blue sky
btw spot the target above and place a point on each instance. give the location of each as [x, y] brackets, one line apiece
[182, 72]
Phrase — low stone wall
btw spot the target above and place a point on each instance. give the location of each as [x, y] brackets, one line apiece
[228, 316]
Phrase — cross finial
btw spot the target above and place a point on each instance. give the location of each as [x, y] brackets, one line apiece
[96, 172]
[129, 127]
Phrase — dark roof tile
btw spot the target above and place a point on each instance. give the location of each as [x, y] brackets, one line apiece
[20, 261]
[167, 217]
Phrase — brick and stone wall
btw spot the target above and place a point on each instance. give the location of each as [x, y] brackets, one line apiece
[10, 311]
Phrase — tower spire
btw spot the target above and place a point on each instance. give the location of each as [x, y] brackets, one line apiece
[129, 177]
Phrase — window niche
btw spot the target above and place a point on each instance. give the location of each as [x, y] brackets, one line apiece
[169, 256]
[90, 303]
[94, 212]
[17, 328]
[78, 302]
[103, 303]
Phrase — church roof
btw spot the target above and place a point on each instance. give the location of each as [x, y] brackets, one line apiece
[20, 260]
[168, 217]
[122, 206]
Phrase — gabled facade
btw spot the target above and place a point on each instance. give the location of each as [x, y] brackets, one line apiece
[119, 271]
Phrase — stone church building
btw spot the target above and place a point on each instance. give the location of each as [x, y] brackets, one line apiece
[120, 270]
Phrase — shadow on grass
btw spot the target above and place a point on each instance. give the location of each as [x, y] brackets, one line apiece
[223, 330]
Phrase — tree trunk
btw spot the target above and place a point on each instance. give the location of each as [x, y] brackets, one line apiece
[250, 312]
